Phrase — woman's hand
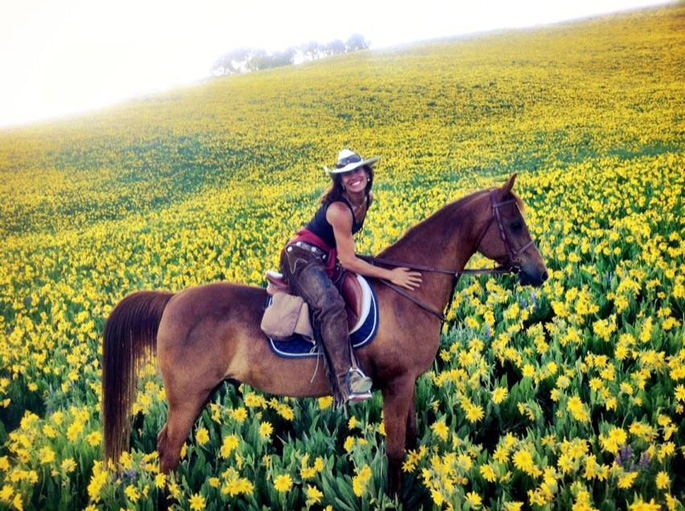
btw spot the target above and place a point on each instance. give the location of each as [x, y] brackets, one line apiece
[405, 278]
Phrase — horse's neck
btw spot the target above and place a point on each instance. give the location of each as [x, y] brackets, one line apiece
[444, 241]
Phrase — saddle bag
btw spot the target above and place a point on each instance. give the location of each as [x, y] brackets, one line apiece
[287, 315]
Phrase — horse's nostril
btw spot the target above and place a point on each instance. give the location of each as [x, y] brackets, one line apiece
[545, 275]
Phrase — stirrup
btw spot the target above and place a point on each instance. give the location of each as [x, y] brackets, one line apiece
[356, 397]
[358, 385]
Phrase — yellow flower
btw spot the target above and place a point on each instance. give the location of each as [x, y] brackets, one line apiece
[662, 480]
[474, 499]
[46, 455]
[666, 450]
[175, 490]
[230, 442]
[680, 393]
[197, 502]
[488, 473]
[253, 400]
[523, 460]
[501, 454]
[94, 438]
[202, 436]
[132, 494]
[96, 482]
[313, 495]
[68, 465]
[474, 413]
[283, 483]
[440, 429]
[160, 479]
[437, 496]
[6, 493]
[359, 481]
[499, 394]
[349, 442]
[513, 506]
[325, 402]
[626, 480]
[286, 412]
[640, 505]
[74, 430]
[577, 409]
[239, 414]
[528, 371]
[614, 440]
[265, 429]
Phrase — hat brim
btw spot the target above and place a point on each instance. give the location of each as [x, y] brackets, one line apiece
[352, 166]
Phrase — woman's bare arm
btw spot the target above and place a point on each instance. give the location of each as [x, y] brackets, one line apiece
[340, 217]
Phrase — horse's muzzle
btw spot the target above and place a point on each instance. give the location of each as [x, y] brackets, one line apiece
[533, 278]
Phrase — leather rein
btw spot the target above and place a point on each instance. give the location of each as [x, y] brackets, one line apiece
[511, 265]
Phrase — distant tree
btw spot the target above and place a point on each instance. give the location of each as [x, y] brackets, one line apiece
[243, 60]
[335, 47]
[312, 50]
[283, 58]
[259, 59]
[232, 62]
[356, 42]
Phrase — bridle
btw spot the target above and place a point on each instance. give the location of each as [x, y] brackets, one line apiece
[513, 254]
[512, 264]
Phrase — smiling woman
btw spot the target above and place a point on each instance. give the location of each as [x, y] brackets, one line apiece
[315, 258]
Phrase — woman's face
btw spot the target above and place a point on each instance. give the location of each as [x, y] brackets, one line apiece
[356, 180]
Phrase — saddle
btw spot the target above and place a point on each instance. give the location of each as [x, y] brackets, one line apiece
[294, 343]
[348, 284]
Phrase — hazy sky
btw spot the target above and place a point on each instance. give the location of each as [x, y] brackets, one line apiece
[62, 56]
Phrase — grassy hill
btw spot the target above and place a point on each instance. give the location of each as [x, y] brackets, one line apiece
[207, 182]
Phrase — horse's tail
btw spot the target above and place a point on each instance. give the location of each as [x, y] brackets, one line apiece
[130, 338]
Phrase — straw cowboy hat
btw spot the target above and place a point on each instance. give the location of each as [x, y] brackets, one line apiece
[348, 161]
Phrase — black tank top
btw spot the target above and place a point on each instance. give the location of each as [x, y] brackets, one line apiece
[320, 226]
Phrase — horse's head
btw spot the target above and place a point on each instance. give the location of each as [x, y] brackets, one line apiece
[506, 239]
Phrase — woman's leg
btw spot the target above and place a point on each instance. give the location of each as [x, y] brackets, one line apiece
[307, 278]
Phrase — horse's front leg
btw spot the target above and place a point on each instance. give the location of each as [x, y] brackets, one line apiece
[397, 399]
[411, 442]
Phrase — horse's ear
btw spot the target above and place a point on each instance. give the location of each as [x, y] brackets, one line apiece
[509, 184]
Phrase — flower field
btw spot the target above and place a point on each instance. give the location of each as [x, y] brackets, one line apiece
[570, 396]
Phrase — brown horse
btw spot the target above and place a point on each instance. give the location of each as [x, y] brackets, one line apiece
[208, 334]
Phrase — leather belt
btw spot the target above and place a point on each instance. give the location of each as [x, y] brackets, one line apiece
[310, 248]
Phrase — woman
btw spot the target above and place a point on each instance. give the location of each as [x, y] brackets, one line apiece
[308, 263]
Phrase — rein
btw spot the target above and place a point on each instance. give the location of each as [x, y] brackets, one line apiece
[510, 267]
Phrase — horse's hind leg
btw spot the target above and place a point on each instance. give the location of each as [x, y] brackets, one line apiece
[397, 397]
[183, 410]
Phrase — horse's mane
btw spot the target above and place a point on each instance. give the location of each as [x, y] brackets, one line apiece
[441, 223]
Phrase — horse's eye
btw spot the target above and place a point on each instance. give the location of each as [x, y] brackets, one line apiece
[516, 226]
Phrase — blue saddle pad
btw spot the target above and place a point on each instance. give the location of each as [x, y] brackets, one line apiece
[299, 347]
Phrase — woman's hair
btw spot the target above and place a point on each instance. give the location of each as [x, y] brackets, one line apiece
[335, 191]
